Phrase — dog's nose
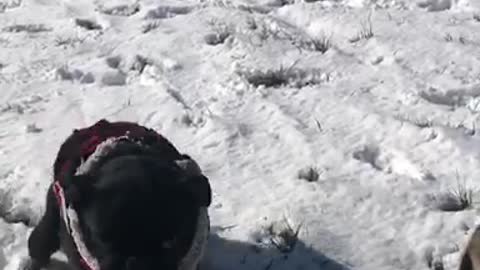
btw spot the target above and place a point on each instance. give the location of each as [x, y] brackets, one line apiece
[140, 263]
[150, 263]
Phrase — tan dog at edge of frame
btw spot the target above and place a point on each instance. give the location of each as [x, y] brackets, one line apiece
[470, 258]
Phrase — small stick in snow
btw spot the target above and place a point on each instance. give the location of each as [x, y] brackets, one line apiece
[319, 126]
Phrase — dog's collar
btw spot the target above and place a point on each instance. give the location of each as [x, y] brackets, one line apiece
[70, 217]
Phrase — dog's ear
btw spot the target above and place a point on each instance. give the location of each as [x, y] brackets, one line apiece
[199, 187]
[189, 166]
[195, 182]
[79, 188]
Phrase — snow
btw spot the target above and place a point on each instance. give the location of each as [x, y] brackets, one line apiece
[387, 114]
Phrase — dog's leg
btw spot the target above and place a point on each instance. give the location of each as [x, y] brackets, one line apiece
[44, 239]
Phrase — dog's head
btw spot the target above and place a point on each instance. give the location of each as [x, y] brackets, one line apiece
[134, 210]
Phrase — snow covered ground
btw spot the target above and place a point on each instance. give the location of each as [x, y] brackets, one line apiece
[380, 97]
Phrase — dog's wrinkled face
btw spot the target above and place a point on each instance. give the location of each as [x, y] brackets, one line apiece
[133, 209]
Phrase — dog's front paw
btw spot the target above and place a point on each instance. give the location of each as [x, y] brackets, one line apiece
[30, 264]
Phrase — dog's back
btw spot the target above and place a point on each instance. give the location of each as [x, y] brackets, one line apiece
[83, 142]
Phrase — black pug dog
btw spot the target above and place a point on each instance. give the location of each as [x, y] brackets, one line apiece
[123, 198]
